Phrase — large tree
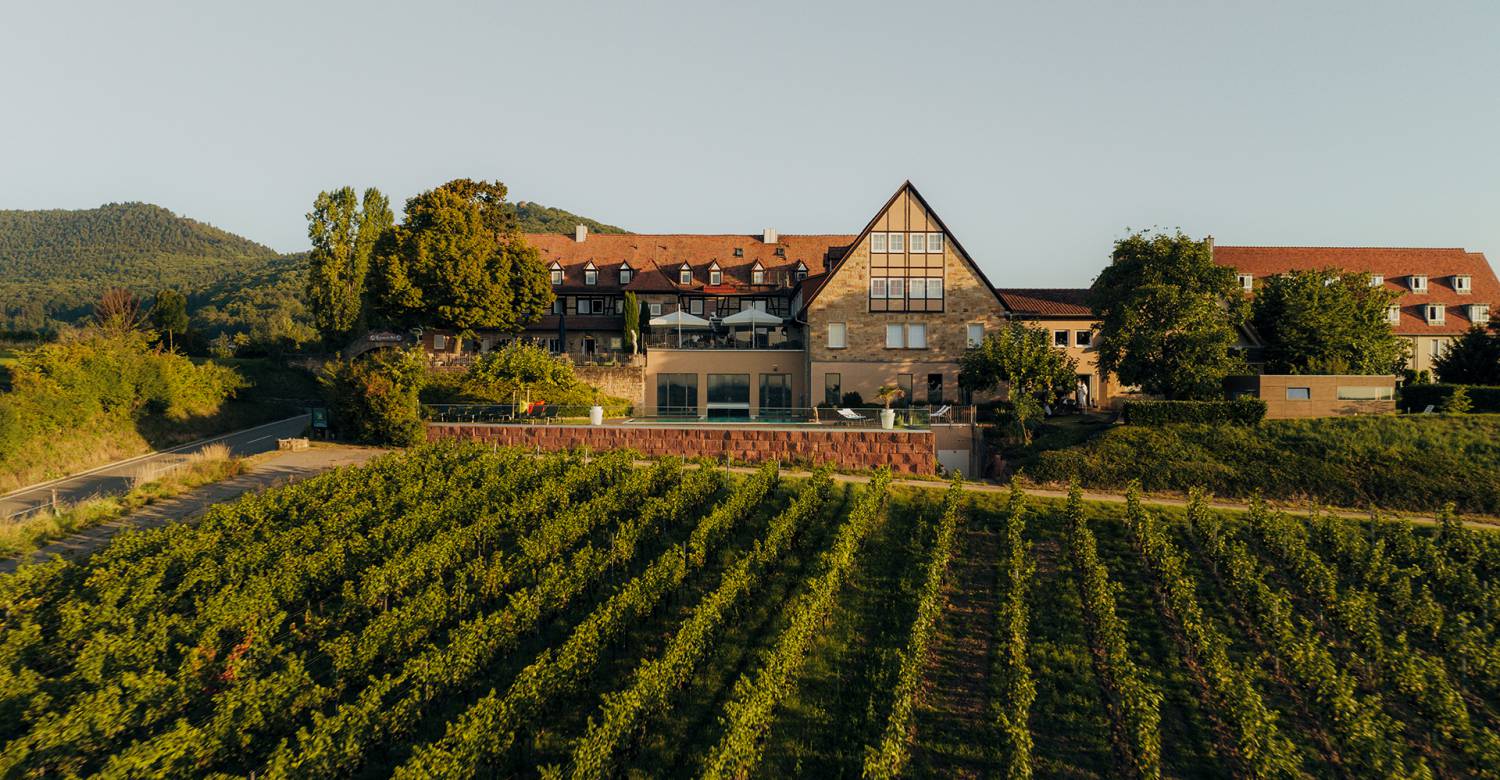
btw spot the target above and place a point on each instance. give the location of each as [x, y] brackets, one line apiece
[1024, 360]
[169, 315]
[1327, 322]
[1473, 359]
[1168, 316]
[344, 234]
[459, 261]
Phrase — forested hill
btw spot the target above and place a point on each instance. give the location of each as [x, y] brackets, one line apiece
[536, 218]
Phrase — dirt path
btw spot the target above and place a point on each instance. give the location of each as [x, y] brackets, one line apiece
[277, 469]
[953, 720]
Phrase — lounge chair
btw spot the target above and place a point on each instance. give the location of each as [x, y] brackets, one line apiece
[941, 413]
[852, 416]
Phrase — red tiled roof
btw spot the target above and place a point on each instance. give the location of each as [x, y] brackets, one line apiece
[657, 258]
[1395, 264]
[1047, 302]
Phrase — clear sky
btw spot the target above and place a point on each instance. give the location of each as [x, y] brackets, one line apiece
[1039, 131]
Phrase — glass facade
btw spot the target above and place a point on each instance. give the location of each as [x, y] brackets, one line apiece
[677, 395]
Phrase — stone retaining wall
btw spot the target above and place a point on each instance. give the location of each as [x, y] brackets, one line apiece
[906, 452]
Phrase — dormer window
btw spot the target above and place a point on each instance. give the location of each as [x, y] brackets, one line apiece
[1461, 284]
[590, 274]
[1435, 314]
[1417, 283]
[557, 275]
[757, 274]
[715, 276]
[1479, 313]
[781, 251]
[1376, 280]
[685, 274]
[626, 274]
[800, 272]
[1393, 314]
[739, 251]
[1247, 282]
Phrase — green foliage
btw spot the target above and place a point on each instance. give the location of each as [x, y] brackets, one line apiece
[518, 368]
[168, 315]
[1458, 401]
[1022, 358]
[374, 398]
[1239, 411]
[1017, 688]
[261, 310]
[632, 322]
[888, 395]
[536, 218]
[1413, 462]
[344, 234]
[1417, 397]
[1472, 359]
[1327, 322]
[1168, 316]
[458, 261]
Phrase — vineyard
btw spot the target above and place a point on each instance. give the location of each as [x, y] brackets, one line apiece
[456, 611]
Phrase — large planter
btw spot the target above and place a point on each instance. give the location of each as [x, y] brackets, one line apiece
[596, 415]
[887, 418]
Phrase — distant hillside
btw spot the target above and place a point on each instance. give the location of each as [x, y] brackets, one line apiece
[536, 218]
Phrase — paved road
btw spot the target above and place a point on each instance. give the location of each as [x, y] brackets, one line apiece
[278, 469]
[117, 477]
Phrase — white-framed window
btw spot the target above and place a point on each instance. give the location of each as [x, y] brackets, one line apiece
[837, 335]
[896, 242]
[1479, 313]
[1417, 282]
[1060, 339]
[715, 276]
[877, 243]
[557, 274]
[896, 288]
[935, 288]
[1083, 338]
[1393, 313]
[619, 306]
[654, 308]
[626, 274]
[800, 272]
[1436, 314]
[934, 243]
[916, 335]
[685, 274]
[1435, 348]
[974, 334]
[590, 274]
[695, 306]
[1376, 280]
[757, 274]
[1247, 282]
[918, 243]
[895, 337]
[917, 289]
[878, 288]
[1461, 283]
[439, 342]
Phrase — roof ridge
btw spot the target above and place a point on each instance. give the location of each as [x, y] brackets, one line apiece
[1302, 246]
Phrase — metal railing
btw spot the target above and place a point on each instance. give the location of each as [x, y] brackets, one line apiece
[919, 418]
[667, 339]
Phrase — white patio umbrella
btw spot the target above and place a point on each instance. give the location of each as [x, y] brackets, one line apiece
[752, 318]
[680, 320]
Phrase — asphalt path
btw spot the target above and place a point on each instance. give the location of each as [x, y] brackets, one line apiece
[118, 477]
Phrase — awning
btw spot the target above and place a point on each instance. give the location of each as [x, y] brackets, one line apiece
[751, 317]
[679, 319]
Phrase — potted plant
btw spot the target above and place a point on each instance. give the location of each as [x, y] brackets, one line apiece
[596, 412]
[887, 395]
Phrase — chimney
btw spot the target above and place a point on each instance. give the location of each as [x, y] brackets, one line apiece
[1209, 240]
[769, 236]
[580, 233]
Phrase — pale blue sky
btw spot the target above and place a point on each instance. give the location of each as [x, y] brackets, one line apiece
[1039, 131]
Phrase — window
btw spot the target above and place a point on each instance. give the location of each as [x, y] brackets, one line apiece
[1417, 283]
[974, 334]
[1060, 338]
[896, 242]
[918, 289]
[1393, 313]
[775, 394]
[1299, 393]
[626, 273]
[677, 395]
[837, 335]
[877, 243]
[1367, 393]
[1461, 283]
[800, 272]
[919, 243]
[916, 336]
[558, 305]
[934, 243]
[1247, 282]
[1436, 314]
[715, 276]
[654, 308]
[903, 381]
[935, 389]
[780, 251]
[695, 306]
[439, 342]
[757, 275]
[685, 274]
[1479, 313]
[617, 343]
[1435, 348]
[557, 275]
[877, 289]
[896, 288]
[1376, 280]
[895, 337]
[1083, 338]
[935, 289]
[584, 306]
[590, 274]
[619, 306]
[833, 390]
[729, 395]
[739, 251]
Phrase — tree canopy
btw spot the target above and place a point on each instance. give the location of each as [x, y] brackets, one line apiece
[1327, 322]
[344, 234]
[1024, 360]
[1168, 316]
[168, 315]
[1472, 359]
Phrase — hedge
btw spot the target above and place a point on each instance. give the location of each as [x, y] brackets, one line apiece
[1240, 411]
[1416, 398]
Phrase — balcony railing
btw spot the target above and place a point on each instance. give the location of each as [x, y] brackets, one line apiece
[553, 414]
[670, 339]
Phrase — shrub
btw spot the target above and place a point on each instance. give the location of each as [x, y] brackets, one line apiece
[1417, 397]
[374, 398]
[1240, 411]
